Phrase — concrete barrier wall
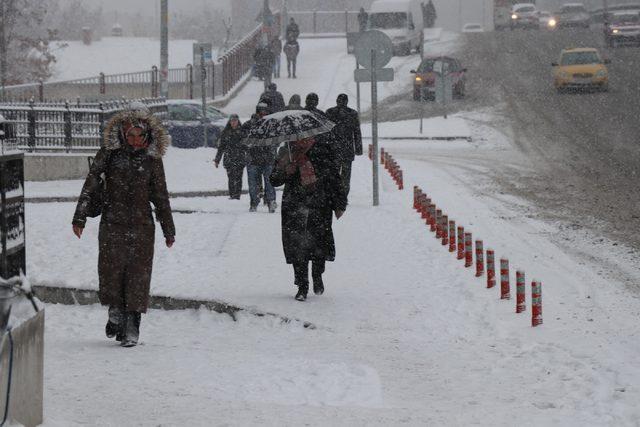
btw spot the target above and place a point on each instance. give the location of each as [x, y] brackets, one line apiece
[51, 167]
[26, 394]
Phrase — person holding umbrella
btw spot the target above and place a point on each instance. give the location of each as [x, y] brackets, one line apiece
[307, 167]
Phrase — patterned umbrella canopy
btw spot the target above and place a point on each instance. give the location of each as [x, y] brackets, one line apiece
[290, 125]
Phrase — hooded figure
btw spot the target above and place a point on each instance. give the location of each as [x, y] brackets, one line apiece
[273, 98]
[347, 135]
[130, 162]
[235, 155]
[294, 103]
[312, 193]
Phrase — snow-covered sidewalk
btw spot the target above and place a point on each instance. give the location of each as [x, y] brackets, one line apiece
[406, 335]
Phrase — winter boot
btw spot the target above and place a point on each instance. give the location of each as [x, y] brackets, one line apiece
[253, 208]
[302, 292]
[318, 286]
[131, 329]
[272, 206]
[114, 324]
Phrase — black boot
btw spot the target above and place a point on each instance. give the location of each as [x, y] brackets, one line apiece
[114, 324]
[318, 286]
[302, 292]
[131, 329]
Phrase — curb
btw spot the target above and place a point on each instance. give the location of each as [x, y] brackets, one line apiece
[75, 296]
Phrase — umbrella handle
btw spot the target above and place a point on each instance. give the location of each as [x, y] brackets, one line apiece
[289, 150]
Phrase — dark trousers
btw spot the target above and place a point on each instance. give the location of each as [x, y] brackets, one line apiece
[301, 271]
[345, 176]
[291, 64]
[234, 174]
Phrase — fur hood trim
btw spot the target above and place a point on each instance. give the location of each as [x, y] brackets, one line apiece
[158, 137]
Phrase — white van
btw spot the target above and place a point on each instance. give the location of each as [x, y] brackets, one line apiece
[401, 20]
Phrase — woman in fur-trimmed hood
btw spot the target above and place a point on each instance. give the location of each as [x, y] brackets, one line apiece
[130, 162]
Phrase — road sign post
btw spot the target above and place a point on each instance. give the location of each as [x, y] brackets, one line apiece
[203, 87]
[373, 51]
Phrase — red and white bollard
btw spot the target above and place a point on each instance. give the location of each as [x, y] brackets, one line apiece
[427, 206]
[424, 206]
[505, 291]
[479, 258]
[521, 304]
[491, 269]
[400, 180]
[432, 216]
[460, 242]
[415, 197]
[536, 303]
[452, 236]
[468, 250]
[382, 155]
[370, 151]
[445, 230]
[438, 223]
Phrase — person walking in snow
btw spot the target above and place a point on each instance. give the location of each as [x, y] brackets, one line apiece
[260, 164]
[311, 104]
[276, 49]
[312, 195]
[363, 20]
[291, 50]
[235, 155]
[348, 136]
[130, 160]
[293, 31]
[294, 103]
[273, 99]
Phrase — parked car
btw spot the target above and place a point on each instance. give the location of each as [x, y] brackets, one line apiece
[574, 15]
[581, 68]
[547, 20]
[524, 15]
[184, 123]
[472, 28]
[425, 76]
[622, 28]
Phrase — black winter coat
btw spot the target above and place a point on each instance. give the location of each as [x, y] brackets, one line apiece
[233, 148]
[258, 156]
[307, 211]
[347, 132]
[274, 100]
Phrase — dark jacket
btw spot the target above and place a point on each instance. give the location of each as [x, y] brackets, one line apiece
[274, 100]
[232, 147]
[293, 31]
[134, 181]
[307, 211]
[291, 49]
[347, 131]
[276, 46]
[258, 156]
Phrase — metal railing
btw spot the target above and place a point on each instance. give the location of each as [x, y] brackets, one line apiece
[184, 83]
[55, 127]
[322, 21]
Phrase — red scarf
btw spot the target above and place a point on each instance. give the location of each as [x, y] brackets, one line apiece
[299, 158]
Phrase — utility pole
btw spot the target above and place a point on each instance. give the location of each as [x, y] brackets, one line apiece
[164, 48]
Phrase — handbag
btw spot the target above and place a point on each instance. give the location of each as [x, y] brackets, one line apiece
[96, 201]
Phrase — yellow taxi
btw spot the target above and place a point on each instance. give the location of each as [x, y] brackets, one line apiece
[581, 68]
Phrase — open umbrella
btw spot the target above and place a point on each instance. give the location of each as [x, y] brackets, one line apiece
[285, 126]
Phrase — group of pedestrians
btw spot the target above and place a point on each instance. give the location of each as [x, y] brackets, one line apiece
[267, 57]
[127, 177]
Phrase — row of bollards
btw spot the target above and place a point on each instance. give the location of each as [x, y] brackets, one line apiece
[462, 241]
[390, 165]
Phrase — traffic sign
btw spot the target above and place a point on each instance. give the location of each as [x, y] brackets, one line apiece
[377, 41]
[362, 75]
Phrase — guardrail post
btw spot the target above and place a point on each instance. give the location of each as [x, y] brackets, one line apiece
[67, 126]
[154, 82]
[31, 127]
[315, 21]
[41, 90]
[103, 84]
[190, 80]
